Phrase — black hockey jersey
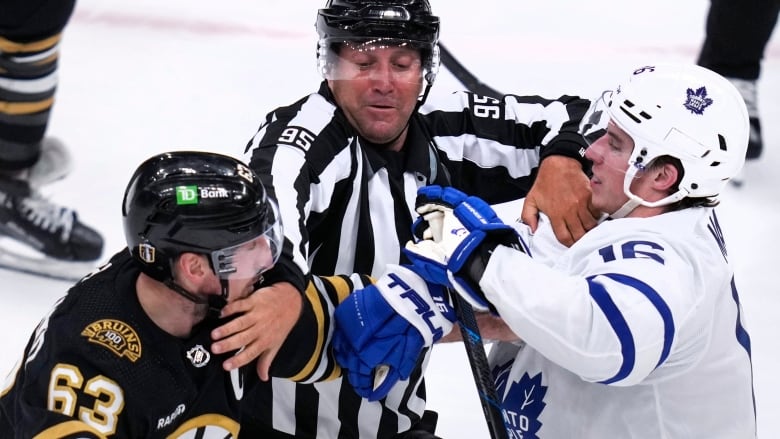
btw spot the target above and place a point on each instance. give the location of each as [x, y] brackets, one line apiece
[98, 367]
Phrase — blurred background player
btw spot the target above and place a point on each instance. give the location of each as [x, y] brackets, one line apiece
[737, 33]
[30, 33]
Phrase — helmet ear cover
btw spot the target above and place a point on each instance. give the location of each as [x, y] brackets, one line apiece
[195, 202]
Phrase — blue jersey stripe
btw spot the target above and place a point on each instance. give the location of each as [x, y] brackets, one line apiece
[742, 335]
[619, 325]
[621, 328]
[660, 306]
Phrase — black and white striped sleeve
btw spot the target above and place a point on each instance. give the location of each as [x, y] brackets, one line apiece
[306, 355]
[494, 146]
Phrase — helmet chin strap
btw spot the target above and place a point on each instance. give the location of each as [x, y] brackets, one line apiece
[625, 209]
[215, 303]
[184, 293]
[635, 201]
[421, 101]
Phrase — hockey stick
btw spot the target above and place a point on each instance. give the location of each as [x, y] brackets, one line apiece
[480, 369]
[462, 74]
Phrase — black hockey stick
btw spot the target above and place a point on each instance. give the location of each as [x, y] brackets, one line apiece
[464, 75]
[480, 369]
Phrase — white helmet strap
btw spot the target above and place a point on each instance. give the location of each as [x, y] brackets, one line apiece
[635, 201]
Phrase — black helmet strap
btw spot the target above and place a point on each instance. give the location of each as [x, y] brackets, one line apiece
[216, 303]
[184, 293]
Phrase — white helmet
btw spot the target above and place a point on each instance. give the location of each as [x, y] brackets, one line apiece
[684, 111]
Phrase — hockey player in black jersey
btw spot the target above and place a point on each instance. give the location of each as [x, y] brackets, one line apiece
[125, 354]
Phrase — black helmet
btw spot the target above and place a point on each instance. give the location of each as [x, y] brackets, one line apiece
[196, 202]
[409, 21]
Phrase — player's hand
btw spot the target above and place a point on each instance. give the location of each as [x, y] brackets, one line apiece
[562, 191]
[265, 318]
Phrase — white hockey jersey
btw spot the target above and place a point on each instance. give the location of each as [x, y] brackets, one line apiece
[635, 332]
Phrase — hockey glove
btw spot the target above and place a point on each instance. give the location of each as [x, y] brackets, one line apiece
[431, 204]
[387, 325]
[471, 231]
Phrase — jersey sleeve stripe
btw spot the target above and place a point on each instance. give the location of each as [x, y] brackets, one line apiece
[659, 304]
[313, 297]
[619, 325]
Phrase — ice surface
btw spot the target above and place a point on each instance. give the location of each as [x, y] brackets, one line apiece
[142, 77]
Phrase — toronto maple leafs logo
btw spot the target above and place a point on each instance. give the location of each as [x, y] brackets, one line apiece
[697, 101]
[522, 403]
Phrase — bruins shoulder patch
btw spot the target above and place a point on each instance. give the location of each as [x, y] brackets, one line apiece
[115, 335]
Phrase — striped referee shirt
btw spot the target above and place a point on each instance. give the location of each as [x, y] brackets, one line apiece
[347, 207]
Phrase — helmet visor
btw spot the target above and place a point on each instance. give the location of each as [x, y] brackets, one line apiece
[251, 258]
[386, 59]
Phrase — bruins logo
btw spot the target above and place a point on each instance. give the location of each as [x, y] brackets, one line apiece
[117, 336]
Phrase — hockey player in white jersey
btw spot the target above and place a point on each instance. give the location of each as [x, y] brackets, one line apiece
[634, 331]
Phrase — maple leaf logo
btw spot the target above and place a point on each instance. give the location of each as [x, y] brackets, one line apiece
[522, 403]
[697, 101]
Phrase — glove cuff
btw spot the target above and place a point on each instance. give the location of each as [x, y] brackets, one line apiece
[410, 297]
[475, 267]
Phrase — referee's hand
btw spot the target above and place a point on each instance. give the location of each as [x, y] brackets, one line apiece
[562, 191]
[264, 320]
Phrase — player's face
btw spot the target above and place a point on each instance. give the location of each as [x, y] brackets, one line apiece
[249, 260]
[610, 155]
[377, 88]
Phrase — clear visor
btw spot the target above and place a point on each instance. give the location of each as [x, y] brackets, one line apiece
[251, 258]
[608, 143]
[373, 59]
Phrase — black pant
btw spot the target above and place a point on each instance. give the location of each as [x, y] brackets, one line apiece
[737, 33]
[31, 20]
[22, 22]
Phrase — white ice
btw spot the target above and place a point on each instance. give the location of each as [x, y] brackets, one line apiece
[142, 77]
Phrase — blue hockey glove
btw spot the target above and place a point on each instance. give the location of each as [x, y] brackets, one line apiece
[470, 232]
[387, 325]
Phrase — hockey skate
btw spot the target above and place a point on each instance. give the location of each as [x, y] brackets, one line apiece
[37, 236]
